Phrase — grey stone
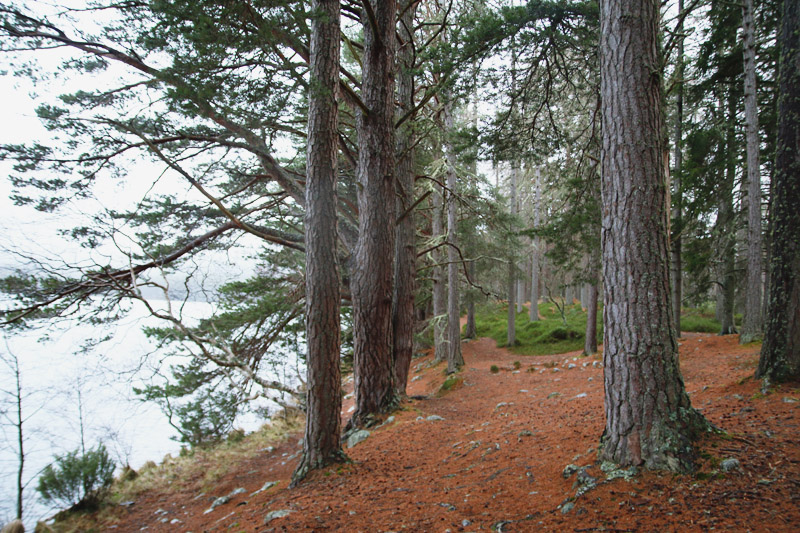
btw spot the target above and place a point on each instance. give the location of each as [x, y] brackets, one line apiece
[499, 405]
[272, 515]
[569, 470]
[730, 464]
[222, 500]
[434, 418]
[554, 395]
[789, 400]
[236, 492]
[465, 523]
[268, 485]
[571, 366]
[567, 507]
[581, 395]
[357, 437]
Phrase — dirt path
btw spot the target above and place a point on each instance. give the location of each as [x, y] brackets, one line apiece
[495, 459]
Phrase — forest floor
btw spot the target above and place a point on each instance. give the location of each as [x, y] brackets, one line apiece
[493, 457]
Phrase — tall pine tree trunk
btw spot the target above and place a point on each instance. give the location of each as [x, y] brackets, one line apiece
[471, 329]
[511, 338]
[677, 191]
[321, 445]
[439, 284]
[405, 253]
[454, 358]
[725, 231]
[373, 276]
[751, 322]
[533, 312]
[649, 418]
[780, 353]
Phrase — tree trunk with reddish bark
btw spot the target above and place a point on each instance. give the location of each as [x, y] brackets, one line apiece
[780, 353]
[373, 273]
[322, 442]
[405, 253]
[649, 418]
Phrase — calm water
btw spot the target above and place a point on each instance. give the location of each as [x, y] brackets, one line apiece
[61, 387]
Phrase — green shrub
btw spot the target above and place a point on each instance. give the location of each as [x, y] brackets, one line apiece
[494, 369]
[76, 478]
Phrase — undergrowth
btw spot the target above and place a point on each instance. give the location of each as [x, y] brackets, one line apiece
[546, 336]
[197, 469]
[549, 335]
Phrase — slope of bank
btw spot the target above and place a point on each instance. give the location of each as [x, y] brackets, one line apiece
[494, 453]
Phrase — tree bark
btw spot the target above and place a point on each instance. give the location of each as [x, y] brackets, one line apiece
[511, 338]
[373, 283]
[677, 191]
[533, 312]
[405, 252]
[590, 341]
[454, 358]
[751, 322]
[322, 442]
[780, 352]
[649, 418]
[471, 329]
[439, 286]
[726, 232]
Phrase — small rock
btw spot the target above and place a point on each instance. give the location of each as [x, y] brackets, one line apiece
[272, 515]
[591, 378]
[584, 365]
[416, 378]
[567, 507]
[236, 492]
[222, 500]
[569, 470]
[357, 437]
[738, 396]
[465, 523]
[523, 390]
[174, 521]
[585, 481]
[730, 464]
[789, 400]
[581, 395]
[554, 395]
[160, 511]
[127, 503]
[515, 371]
[499, 405]
[597, 364]
[571, 366]
[268, 485]
[526, 433]
[556, 369]
[387, 421]
[268, 449]
[434, 418]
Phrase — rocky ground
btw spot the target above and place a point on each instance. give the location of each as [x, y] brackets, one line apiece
[514, 449]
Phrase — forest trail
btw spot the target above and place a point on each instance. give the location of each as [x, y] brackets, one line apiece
[494, 454]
